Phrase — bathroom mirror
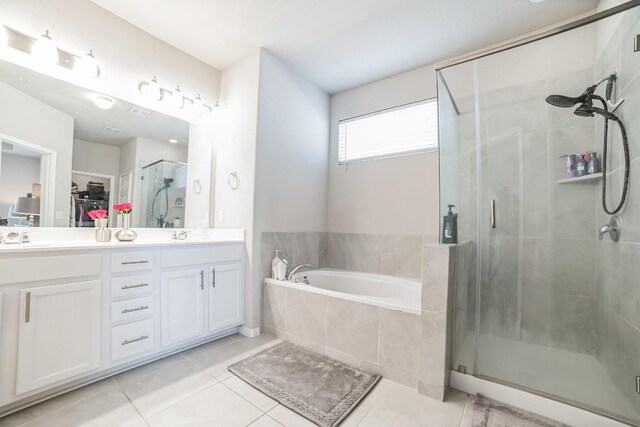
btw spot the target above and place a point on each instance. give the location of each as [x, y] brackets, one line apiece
[67, 151]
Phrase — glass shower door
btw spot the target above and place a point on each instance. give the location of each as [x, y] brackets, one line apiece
[543, 284]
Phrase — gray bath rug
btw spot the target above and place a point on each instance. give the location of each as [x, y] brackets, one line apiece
[315, 386]
[489, 413]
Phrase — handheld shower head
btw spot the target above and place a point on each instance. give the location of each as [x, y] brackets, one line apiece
[168, 181]
[568, 101]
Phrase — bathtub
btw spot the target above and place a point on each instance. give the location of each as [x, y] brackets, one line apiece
[390, 292]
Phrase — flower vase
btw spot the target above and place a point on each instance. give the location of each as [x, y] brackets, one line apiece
[126, 234]
[103, 234]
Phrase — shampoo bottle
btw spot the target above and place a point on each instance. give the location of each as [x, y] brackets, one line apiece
[581, 165]
[594, 164]
[279, 266]
[450, 227]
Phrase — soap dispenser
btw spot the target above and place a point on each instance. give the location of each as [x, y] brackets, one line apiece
[279, 266]
[450, 226]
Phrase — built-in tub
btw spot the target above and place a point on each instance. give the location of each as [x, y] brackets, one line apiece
[368, 320]
[396, 293]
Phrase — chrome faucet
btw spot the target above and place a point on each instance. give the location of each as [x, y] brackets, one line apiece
[613, 228]
[292, 274]
[179, 236]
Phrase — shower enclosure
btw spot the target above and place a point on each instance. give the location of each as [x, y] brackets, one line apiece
[163, 194]
[546, 306]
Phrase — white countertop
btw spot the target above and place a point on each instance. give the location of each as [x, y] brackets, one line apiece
[56, 239]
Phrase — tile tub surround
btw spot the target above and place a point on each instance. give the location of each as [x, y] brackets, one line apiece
[367, 336]
[393, 255]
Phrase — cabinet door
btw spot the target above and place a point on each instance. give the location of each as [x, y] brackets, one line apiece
[182, 305]
[59, 333]
[226, 300]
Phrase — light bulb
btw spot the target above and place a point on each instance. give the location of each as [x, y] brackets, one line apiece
[88, 66]
[103, 102]
[45, 51]
[198, 105]
[4, 37]
[176, 98]
[153, 90]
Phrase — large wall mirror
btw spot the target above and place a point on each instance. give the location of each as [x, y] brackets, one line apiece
[67, 151]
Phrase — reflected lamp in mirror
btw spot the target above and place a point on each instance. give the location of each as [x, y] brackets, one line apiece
[27, 206]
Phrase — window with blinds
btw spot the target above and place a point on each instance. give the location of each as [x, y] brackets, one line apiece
[408, 129]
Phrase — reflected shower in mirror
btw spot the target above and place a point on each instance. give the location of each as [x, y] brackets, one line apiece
[73, 151]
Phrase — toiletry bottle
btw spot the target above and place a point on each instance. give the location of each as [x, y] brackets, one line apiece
[450, 227]
[176, 222]
[571, 165]
[581, 165]
[279, 266]
[594, 164]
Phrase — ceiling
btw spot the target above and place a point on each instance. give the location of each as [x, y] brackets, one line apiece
[90, 122]
[340, 44]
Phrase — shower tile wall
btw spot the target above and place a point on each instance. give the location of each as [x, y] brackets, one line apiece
[618, 286]
[538, 281]
[370, 253]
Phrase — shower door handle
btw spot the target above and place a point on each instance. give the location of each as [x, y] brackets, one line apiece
[493, 213]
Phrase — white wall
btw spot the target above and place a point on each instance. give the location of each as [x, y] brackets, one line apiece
[235, 150]
[292, 152]
[126, 54]
[27, 119]
[390, 196]
[17, 176]
[94, 157]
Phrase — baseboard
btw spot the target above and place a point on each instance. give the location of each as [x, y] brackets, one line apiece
[248, 332]
[550, 408]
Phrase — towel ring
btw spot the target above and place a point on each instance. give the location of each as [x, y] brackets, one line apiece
[233, 181]
[197, 187]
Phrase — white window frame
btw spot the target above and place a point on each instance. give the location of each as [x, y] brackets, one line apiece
[429, 149]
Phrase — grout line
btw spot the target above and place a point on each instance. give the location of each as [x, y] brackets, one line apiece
[247, 400]
[134, 406]
[179, 401]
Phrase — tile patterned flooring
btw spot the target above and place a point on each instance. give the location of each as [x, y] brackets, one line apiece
[194, 388]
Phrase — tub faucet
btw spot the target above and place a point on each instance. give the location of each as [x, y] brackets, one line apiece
[292, 274]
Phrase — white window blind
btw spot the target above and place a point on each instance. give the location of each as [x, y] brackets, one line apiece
[407, 129]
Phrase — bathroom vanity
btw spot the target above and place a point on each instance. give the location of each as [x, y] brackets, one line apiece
[72, 312]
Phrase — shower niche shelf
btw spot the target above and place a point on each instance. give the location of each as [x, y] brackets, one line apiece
[587, 178]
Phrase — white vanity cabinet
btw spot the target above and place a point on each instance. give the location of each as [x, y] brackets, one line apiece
[69, 316]
[58, 333]
[182, 305]
[226, 302]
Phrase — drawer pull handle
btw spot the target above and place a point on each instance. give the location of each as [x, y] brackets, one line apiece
[140, 285]
[202, 279]
[135, 262]
[27, 313]
[131, 310]
[131, 341]
[213, 277]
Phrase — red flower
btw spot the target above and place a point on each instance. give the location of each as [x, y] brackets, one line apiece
[97, 213]
[123, 207]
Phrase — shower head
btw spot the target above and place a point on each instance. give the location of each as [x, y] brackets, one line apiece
[584, 110]
[568, 101]
[168, 181]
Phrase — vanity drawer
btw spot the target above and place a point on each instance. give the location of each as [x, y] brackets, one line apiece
[131, 339]
[131, 309]
[130, 286]
[131, 261]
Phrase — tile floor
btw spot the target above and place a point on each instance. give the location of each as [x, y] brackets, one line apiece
[194, 388]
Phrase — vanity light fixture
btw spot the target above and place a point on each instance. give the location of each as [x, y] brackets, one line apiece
[103, 102]
[198, 105]
[176, 98]
[4, 36]
[88, 66]
[45, 50]
[154, 89]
